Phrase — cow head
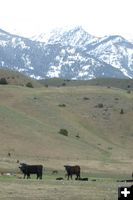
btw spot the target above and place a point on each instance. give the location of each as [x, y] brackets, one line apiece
[22, 166]
[67, 167]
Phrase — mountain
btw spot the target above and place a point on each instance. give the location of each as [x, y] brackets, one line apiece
[71, 37]
[67, 54]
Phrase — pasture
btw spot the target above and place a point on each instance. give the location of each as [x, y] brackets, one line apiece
[101, 185]
[99, 139]
[12, 188]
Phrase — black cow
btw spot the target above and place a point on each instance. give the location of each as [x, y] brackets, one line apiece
[31, 169]
[72, 170]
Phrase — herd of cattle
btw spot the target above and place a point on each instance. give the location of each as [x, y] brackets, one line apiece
[27, 170]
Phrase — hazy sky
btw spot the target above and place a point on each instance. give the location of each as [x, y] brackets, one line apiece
[98, 17]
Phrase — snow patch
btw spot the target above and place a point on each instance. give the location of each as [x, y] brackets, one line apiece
[54, 71]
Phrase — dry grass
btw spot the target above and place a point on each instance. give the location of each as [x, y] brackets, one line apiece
[16, 78]
[50, 189]
[30, 120]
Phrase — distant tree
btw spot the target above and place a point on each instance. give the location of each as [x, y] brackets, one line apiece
[85, 98]
[9, 154]
[62, 105]
[99, 105]
[63, 132]
[63, 84]
[77, 136]
[3, 81]
[29, 84]
[128, 91]
[121, 111]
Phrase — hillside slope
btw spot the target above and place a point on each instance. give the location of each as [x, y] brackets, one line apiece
[13, 77]
[99, 137]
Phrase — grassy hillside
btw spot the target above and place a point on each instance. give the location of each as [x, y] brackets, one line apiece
[107, 82]
[99, 137]
[16, 78]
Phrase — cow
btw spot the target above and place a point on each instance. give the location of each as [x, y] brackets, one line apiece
[72, 170]
[31, 169]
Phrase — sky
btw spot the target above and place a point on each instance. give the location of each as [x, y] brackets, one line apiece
[97, 17]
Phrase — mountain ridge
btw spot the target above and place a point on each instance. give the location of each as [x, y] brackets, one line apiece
[70, 54]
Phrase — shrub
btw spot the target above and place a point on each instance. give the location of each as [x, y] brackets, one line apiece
[110, 148]
[99, 105]
[77, 136]
[128, 91]
[86, 98]
[63, 132]
[29, 84]
[62, 105]
[3, 81]
[63, 84]
[122, 111]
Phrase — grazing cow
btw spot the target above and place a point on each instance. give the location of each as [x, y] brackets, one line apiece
[72, 170]
[31, 169]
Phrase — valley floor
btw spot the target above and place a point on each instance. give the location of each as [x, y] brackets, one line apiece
[12, 188]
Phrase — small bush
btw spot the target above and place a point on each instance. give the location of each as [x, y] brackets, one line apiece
[128, 91]
[77, 136]
[3, 81]
[121, 111]
[62, 105]
[63, 132]
[29, 84]
[86, 98]
[110, 148]
[99, 105]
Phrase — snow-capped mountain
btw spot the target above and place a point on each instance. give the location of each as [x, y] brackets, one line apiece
[73, 37]
[68, 54]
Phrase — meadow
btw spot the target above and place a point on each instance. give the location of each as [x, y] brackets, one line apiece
[98, 120]
[12, 188]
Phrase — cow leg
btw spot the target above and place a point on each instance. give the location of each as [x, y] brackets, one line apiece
[78, 176]
[28, 176]
[71, 177]
[37, 176]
